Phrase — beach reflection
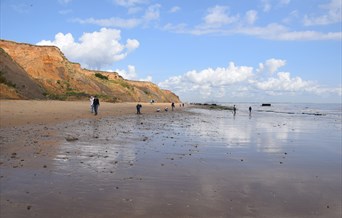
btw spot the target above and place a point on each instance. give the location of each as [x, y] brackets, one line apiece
[100, 147]
[240, 131]
[192, 164]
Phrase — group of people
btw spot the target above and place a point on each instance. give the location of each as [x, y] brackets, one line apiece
[94, 104]
[249, 109]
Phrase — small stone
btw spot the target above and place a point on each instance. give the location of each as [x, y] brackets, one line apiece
[71, 138]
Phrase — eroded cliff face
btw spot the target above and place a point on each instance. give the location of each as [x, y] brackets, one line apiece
[45, 72]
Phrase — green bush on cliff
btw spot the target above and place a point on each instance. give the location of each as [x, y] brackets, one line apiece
[5, 81]
[99, 75]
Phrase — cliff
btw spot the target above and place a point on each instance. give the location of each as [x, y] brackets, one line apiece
[43, 72]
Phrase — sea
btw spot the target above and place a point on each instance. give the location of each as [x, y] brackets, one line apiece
[327, 110]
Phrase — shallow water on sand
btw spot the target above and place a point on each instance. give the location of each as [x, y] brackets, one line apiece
[197, 163]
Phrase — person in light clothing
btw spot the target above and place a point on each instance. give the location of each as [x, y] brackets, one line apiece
[91, 104]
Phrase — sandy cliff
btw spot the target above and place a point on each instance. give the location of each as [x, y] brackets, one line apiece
[40, 72]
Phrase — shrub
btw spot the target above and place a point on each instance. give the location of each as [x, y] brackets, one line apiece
[99, 75]
[5, 81]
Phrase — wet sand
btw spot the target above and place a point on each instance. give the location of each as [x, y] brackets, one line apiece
[187, 163]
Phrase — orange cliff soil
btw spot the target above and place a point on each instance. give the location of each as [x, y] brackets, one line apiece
[58, 78]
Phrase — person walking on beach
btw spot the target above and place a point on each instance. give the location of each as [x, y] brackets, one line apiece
[234, 110]
[91, 104]
[250, 110]
[172, 105]
[96, 104]
[138, 108]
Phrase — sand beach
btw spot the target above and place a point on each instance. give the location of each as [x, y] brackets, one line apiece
[59, 160]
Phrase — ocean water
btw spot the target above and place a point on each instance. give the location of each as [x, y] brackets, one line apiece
[330, 110]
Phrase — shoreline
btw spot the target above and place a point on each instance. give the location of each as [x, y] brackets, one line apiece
[27, 112]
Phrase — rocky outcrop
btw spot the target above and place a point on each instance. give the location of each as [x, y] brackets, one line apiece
[43, 72]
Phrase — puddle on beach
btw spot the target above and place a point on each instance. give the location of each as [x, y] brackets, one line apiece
[192, 164]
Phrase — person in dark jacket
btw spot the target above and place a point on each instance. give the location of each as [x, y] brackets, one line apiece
[138, 108]
[96, 104]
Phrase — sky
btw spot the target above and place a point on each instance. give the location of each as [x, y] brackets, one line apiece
[202, 50]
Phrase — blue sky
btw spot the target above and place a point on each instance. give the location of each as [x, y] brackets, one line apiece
[205, 50]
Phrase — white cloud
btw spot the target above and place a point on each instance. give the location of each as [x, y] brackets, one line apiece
[217, 19]
[94, 50]
[134, 10]
[284, 2]
[275, 31]
[283, 82]
[130, 3]
[64, 1]
[64, 12]
[332, 14]
[152, 13]
[240, 82]
[251, 16]
[266, 6]
[111, 22]
[218, 16]
[272, 65]
[174, 9]
[131, 74]
[206, 81]
[220, 76]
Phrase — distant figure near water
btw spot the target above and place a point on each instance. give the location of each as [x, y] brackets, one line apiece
[250, 110]
[96, 104]
[234, 110]
[172, 105]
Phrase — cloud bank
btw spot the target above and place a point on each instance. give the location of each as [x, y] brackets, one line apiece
[244, 82]
[94, 50]
[220, 21]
